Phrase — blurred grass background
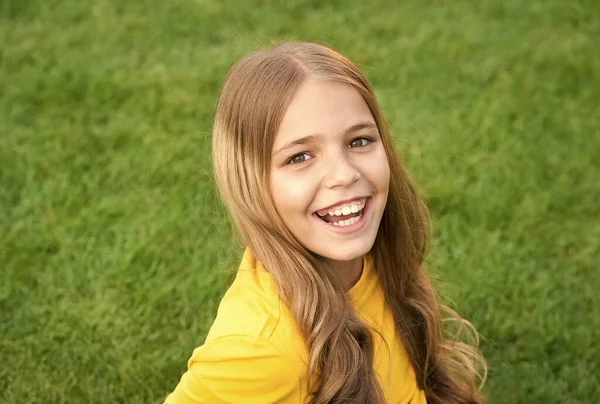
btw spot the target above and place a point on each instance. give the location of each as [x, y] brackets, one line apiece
[114, 251]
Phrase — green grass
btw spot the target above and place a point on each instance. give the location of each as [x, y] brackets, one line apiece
[114, 251]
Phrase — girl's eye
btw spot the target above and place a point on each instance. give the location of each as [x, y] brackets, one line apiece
[297, 159]
[359, 142]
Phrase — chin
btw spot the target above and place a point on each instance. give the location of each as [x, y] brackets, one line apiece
[347, 254]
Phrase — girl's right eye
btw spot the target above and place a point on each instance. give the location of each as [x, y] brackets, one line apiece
[297, 159]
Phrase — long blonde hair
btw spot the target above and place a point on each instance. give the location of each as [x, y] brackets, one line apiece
[257, 90]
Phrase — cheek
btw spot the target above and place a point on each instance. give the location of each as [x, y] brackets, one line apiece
[385, 176]
[378, 172]
[291, 194]
[384, 168]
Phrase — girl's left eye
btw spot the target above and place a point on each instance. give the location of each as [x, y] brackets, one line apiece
[359, 142]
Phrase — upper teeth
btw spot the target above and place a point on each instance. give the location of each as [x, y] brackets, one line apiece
[345, 209]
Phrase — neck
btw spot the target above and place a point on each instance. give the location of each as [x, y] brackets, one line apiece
[349, 271]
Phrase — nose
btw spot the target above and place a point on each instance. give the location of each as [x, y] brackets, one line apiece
[340, 171]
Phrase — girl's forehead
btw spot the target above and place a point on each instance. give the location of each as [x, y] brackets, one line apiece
[322, 109]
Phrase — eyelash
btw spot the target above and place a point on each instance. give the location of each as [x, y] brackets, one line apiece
[289, 161]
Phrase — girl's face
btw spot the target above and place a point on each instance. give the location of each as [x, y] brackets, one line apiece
[329, 173]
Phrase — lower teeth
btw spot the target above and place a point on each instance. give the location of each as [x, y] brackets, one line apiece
[347, 222]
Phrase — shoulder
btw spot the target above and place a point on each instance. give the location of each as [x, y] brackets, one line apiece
[252, 353]
[240, 368]
[244, 351]
[252, 307]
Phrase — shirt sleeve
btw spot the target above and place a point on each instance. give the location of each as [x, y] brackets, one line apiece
[239, 369]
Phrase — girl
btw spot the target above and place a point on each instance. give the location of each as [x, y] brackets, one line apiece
[330, 303]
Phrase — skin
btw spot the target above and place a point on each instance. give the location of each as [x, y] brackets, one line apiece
[336, 165]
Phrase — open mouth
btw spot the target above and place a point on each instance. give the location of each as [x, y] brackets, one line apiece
[347, 216]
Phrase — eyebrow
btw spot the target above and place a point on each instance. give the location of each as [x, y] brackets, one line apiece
[318, 136]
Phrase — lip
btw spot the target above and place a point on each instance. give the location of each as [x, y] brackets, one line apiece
[344, 201]
[353, 227]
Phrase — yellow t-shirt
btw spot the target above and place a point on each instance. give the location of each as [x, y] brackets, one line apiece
[253, 353]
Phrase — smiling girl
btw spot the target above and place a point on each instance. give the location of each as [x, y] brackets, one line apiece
[331, 303]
